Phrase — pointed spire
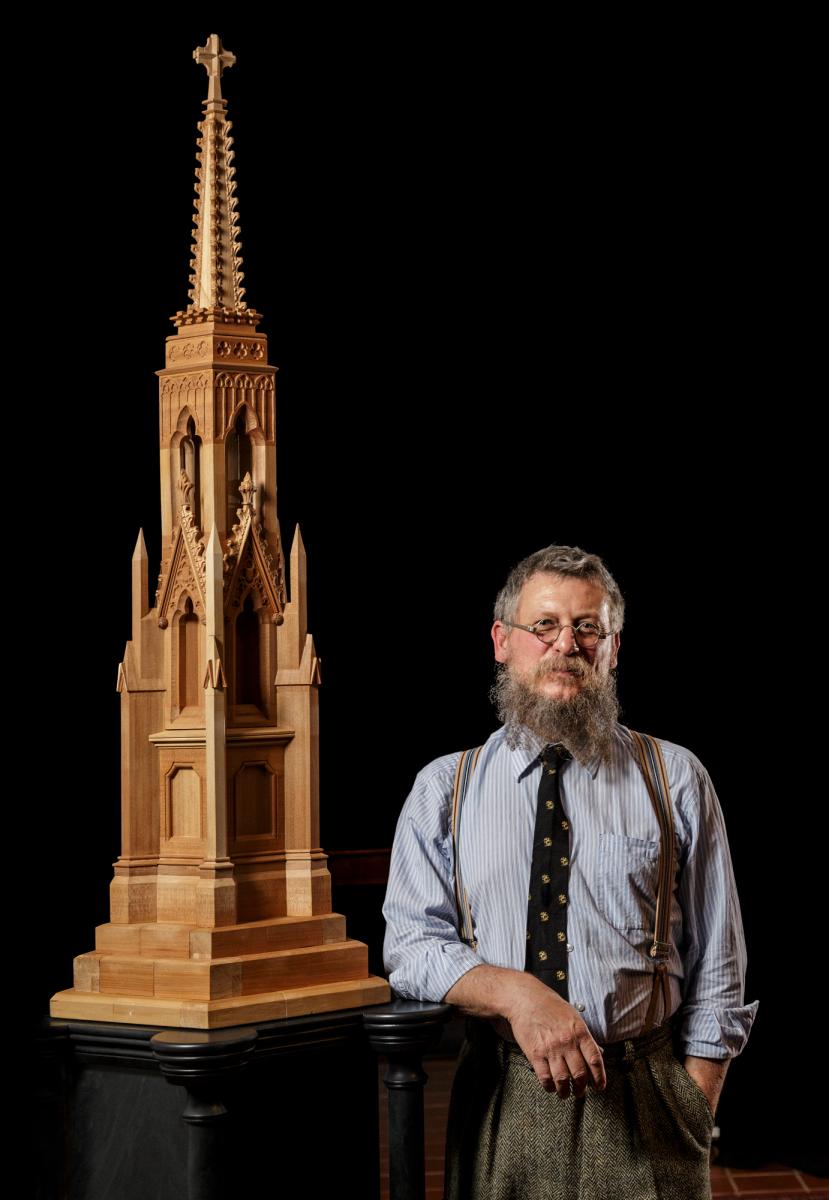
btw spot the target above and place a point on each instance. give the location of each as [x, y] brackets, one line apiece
[216, 291]
[140, 583]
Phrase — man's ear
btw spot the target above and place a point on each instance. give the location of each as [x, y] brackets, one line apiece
[500, 634]
[617, 637]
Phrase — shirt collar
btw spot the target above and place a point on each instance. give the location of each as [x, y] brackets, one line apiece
[524, 758]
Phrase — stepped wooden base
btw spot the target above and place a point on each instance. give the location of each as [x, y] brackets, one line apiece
[218, 1014]
[194, 978]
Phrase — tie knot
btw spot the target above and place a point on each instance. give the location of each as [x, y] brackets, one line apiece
[555, 754]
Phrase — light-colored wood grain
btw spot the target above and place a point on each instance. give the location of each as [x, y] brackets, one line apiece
[124, 974]
[220, 1014]
[187, 941]
[162, 941]
[221, 894]
[126, 977]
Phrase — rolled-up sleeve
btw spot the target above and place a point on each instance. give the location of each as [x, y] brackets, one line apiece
[423, 951]
[715, 1021]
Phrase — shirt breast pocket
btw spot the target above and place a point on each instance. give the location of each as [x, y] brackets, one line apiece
[627, 881]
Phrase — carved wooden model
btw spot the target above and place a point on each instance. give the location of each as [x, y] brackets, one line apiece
[221, 901]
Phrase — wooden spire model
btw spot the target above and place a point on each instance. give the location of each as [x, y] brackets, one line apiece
[220, 905]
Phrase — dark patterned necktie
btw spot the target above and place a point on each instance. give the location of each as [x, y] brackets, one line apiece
[549, 878]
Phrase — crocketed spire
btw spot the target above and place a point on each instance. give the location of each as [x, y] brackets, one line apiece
[216, 291]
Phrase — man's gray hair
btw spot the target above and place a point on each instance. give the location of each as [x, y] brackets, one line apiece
[564, 561]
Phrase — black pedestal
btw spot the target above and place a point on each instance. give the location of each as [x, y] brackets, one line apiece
[284, 1108]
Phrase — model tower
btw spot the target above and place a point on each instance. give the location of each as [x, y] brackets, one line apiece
[220, 905]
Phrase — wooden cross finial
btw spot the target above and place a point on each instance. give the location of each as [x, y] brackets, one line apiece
[215, 59]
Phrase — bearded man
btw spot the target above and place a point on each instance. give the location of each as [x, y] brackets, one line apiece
[571, 1081]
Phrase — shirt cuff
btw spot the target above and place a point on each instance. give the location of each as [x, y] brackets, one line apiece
[430, 977]
[716, 1032]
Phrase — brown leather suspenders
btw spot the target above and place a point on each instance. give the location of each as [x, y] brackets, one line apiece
[652, 765]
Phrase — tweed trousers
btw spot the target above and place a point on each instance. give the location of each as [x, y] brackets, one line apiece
[647, 1136]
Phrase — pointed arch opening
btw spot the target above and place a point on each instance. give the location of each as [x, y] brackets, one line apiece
[239, 451]
[190, 461]
[248, 674]
[189, 661]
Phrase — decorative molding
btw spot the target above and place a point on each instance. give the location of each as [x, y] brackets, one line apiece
[234, 388]
[207, 349]
[242, 349]
[188, 348]
[186, 490]
[218, 315]
[246, 381]
[249, 564]
[184, 569]
[173, 385]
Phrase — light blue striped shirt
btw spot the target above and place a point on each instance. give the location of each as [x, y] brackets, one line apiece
[614, 849]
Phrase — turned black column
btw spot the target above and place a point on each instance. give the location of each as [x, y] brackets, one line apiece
[206, 1064]
[404, 1031]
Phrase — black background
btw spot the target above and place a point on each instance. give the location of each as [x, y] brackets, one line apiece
[520, 288]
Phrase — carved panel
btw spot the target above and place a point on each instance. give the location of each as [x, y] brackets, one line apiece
[191, 389]
[256, 803]
[243, 348]
[185, 804]
[249, 564]
[204, 349]
[185, 350]
[255, 807]
[182, 570]
[234, 388]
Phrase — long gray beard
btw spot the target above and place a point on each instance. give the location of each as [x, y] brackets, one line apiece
[584, 723]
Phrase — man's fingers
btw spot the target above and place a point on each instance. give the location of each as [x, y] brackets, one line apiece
[580, 1081]
[542, 1070]
[594, 1059]
[572, 1070]
[563, 1058]
[556, 1075]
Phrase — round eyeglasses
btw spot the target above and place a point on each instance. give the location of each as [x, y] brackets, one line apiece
[587, 633]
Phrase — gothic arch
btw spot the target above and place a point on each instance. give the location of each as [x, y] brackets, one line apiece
[252, 426]
[187, 665]
[186, 455]
[247, 656]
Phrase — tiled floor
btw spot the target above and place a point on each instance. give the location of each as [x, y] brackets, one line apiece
[772, 1183]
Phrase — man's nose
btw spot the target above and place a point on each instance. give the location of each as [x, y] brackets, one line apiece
[566, 642]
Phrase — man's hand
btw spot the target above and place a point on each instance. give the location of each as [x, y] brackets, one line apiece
[555, 1040]
[550, 1031]
[708, 1074]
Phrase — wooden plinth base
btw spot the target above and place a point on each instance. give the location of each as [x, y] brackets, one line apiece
[219, 1014]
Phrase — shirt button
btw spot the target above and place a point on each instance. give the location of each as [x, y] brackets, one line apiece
[580, 1007]
[569, 947]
